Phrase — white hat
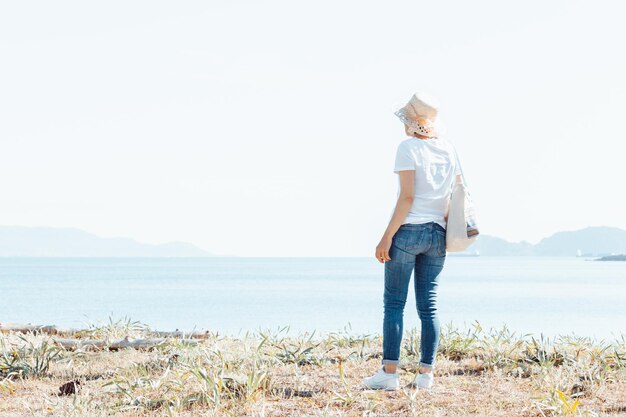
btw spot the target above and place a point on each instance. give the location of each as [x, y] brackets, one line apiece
[420, 115]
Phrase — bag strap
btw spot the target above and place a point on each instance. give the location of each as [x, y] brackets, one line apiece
[456, 156]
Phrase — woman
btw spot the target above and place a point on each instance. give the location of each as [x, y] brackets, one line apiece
[415, 239]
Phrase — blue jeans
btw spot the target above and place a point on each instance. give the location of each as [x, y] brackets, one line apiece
[420, 248]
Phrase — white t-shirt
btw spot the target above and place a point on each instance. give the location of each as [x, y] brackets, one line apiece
[436, 165]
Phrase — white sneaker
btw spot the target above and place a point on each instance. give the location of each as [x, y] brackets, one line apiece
[383, 380]
[425, 380]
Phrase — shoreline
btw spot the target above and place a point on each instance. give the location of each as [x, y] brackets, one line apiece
[314, 335]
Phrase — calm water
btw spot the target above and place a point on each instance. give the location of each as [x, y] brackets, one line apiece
[231, 295]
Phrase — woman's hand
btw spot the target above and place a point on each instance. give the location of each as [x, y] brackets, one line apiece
[382, 250]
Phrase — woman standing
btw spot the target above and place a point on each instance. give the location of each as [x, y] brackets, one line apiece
[415, 239]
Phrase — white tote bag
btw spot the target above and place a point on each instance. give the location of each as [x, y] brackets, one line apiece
[461, 228]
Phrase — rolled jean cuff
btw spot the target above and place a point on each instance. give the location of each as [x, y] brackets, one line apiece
[390, 361]
[426, 365]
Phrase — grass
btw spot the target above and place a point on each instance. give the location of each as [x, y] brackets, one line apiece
[272, 373]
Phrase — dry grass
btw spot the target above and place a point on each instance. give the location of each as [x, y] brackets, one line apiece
[272, 373]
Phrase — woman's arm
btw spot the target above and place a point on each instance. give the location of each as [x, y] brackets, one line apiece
[403, 205]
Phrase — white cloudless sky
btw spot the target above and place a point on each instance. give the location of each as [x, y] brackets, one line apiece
[266, 128]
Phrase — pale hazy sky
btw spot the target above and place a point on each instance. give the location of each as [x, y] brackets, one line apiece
[266, 128]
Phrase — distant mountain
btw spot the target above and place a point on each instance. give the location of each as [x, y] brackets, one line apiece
[491, 245]
[57, 242]
[598, 241]
[51, 241]
[590, 241]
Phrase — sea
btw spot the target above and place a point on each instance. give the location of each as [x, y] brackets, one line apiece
[238, 296]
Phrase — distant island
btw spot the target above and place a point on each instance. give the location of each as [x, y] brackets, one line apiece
[609, 243]
[70, 242]
[596, 241]
[613, 258]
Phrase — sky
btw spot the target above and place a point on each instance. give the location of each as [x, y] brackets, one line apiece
[266, 128]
